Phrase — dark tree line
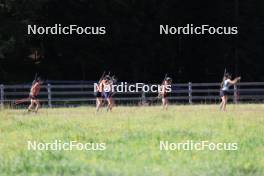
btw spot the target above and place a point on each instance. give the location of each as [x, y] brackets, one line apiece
[132, 47]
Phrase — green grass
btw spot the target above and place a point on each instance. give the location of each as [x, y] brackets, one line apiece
[132, 136]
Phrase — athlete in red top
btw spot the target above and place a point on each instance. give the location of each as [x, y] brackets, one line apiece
[164, 92]
[33, 95]
[99, 93]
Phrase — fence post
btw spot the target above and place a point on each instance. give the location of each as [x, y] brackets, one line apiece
[49, 96]
[235, 94]
[190, 92]
[2, 95]
[143, 98]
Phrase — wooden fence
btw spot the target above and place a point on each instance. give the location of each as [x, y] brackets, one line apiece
[76, 93]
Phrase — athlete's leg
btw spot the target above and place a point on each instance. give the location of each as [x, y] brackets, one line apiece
[98, 103]
[108, 104]
[30, 107]
[37, 106]
[225, 102]
[163, 102]
[166, 103]
[112, 102]
[222, 103]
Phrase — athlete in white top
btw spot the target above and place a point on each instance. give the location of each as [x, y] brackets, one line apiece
[227, 82]
[226, 85]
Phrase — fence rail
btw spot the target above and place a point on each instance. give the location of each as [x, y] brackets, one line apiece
[75, 92]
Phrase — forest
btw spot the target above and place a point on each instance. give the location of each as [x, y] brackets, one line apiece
[132, 47]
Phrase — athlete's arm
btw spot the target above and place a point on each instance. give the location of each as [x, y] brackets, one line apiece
[163, 89]
[34, 86]
[234, 81]
[101, 86]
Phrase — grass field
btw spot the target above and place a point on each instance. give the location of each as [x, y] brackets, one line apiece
[132, 136]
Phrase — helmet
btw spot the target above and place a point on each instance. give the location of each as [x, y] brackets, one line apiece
[227, 75]
[168, 79]
[107, 77]
[114, 78]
